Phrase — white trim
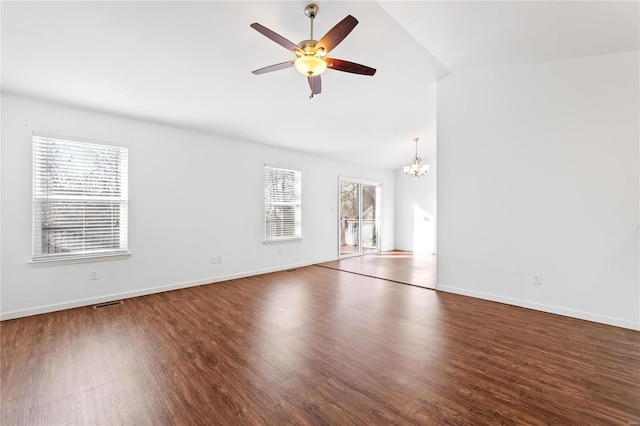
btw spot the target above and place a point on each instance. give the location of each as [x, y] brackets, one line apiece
[558, 310]
[358, 180]
[40, 134]
[282, 240]
[18, 313]
[55, 261]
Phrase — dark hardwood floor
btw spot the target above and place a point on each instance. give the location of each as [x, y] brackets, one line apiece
[400, 266]
[315, 346]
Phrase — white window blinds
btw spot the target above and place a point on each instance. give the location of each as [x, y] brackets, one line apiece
[79, 199]
[282, 205]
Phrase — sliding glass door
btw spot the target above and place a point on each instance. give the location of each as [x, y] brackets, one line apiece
[359, 217]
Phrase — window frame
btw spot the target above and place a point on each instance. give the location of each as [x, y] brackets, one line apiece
[296, 204]
[122, 200]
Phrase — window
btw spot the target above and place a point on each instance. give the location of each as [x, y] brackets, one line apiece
[282, 189]
[79, 199]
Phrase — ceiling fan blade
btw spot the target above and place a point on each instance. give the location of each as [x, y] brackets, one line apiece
[346, 66]
[315, 83]
[275, 37]
[274, 67]
[336, 34]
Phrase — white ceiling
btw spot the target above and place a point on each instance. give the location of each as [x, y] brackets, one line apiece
[189, 63]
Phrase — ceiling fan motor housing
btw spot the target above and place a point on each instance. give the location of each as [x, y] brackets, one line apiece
[309, 48]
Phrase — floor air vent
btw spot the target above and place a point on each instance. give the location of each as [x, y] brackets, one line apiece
[107, 304]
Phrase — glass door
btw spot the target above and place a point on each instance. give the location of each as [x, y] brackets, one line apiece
[359, 218]
[349, 218]
[368, 218]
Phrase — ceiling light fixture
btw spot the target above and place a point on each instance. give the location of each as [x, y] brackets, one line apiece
[311, 60]
[310, 65]
[416, 169]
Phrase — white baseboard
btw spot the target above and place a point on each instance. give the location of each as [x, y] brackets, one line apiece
[143, 292]
[602, 319]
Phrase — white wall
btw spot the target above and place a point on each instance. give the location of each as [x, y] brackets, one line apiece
[415, 210]
[192, 196]
[538, 173]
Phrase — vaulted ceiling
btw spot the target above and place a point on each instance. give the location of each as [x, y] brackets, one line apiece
[189, 64]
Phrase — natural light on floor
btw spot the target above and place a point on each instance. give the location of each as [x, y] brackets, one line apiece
[423, 231]
[396, 255]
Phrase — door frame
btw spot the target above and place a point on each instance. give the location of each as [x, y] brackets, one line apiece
[379, 210]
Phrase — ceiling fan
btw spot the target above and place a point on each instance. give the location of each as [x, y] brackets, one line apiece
[311, 54]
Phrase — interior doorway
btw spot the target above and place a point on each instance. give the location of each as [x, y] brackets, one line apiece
[359, 219]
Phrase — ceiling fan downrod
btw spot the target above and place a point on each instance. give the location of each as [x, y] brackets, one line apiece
[311, 11]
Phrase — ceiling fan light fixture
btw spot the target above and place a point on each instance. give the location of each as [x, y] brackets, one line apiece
[310, 65]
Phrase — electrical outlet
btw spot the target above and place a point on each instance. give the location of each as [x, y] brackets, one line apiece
[536, 279]
[213, 260]
[93, 275]
[279, 252]
[219, 259]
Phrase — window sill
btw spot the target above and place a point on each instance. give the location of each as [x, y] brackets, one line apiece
[282, 240]
[79, 259]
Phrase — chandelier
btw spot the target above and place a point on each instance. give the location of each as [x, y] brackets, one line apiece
[416, 169]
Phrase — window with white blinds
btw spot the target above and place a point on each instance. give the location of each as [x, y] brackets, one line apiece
[80, 199]
[282, 205]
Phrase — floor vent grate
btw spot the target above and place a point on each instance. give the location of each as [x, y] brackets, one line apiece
[107, 304]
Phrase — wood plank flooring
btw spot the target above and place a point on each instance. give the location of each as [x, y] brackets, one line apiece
[315, 346]
[400, 266]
